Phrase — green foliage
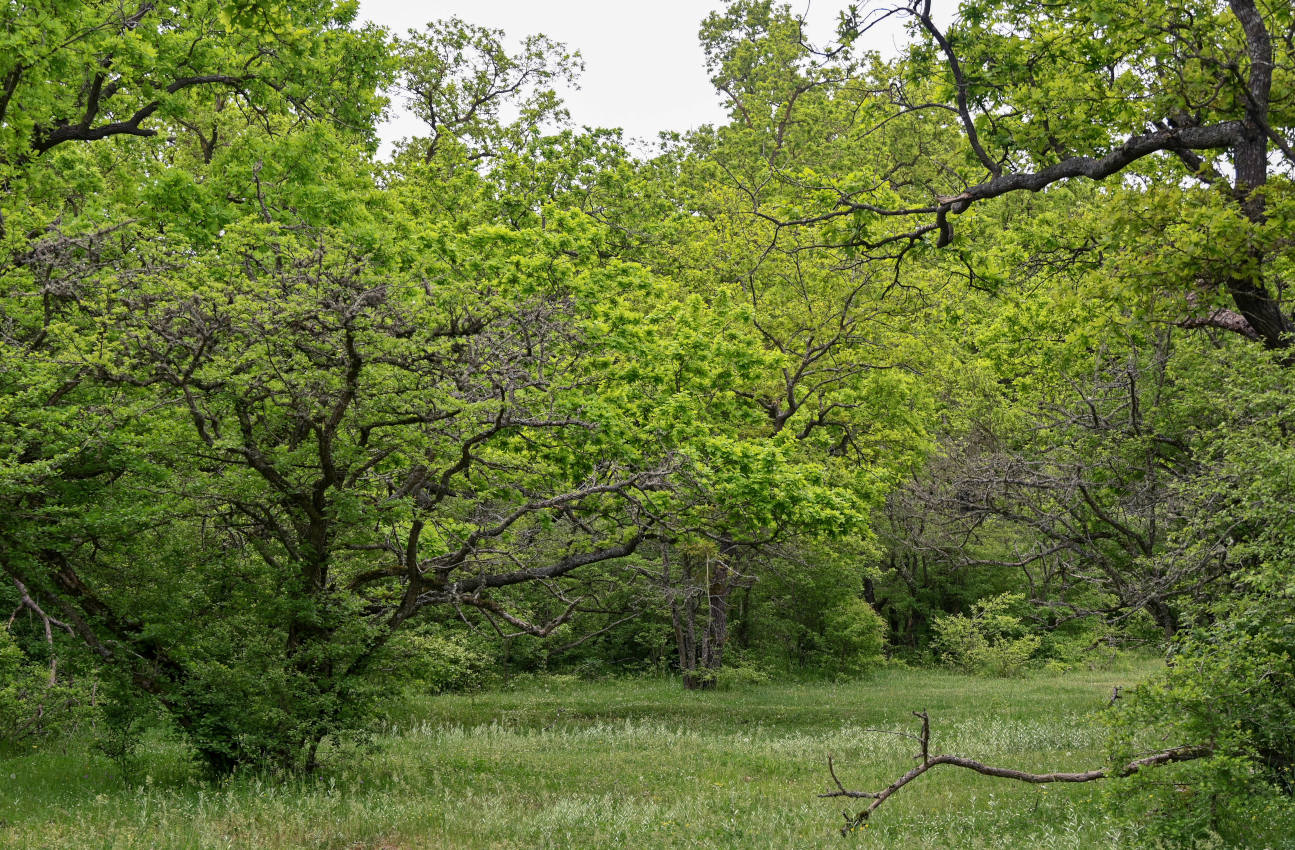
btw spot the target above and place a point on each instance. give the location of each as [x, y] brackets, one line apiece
[263, 400]
[1231, 681]
[992, 641]
[804, 615]
[86, 71]
[37, 703]
[213, 553]
[24, 690]
[739, 676]
[433, 661]
[854, 635]
[1231, 685]
[460, 79]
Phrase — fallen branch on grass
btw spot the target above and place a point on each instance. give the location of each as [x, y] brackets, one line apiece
[1175, 754]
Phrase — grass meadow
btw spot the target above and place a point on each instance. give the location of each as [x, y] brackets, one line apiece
[638, 763]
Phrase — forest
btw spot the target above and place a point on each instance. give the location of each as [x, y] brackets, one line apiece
[975, 360]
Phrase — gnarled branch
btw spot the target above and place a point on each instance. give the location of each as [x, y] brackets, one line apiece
[1173, 754]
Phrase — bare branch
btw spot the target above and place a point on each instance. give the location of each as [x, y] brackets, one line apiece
[25, 602]
[922, 10]
[1169, 756]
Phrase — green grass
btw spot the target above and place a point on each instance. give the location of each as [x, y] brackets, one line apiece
[633, 763]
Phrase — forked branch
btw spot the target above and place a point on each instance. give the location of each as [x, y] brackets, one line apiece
[26, 602]
[928, 761]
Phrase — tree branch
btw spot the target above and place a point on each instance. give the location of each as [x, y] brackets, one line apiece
[1169, 756]
[922, 10]
[132, 126]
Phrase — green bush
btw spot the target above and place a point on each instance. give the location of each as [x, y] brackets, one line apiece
[21, 687]
[437, 662]
[991, 642]
[31, 705]
[739, 676]
[1230, 686]
[855, 635]
[1230, 683]
[810, 621]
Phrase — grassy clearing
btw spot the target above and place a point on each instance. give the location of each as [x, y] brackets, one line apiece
[638, 763]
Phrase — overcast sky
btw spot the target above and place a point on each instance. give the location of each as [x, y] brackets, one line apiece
[644, 70]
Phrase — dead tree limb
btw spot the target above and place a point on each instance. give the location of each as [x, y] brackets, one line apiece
[27, 603]
[852, 821]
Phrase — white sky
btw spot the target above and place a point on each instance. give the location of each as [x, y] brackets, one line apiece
[644, 70]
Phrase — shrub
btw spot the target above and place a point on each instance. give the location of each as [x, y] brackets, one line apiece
[855, 635]
[739, 676]
[437, 662]
[31, 705]
[21, 687]
[1231, 686]
[990, 642]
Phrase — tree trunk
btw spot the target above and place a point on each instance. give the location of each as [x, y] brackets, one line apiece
[683, 616]
[1165, 617]
[700, 658]
[716, 636]
[743, 635]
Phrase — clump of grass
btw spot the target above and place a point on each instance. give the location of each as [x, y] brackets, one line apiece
[637, 763]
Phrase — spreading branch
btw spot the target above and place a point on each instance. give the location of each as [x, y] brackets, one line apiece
[85, 130]
[927, 761]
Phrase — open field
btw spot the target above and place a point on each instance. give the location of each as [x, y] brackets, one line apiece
[631, 763]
